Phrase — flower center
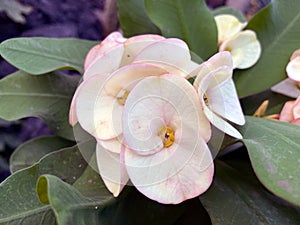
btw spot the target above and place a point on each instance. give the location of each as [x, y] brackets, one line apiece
[167, 136]
[122, 96]
[298, 84]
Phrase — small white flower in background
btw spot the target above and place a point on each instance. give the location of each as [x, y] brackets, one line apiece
[243, 45]
[290, 86]
[217, 93]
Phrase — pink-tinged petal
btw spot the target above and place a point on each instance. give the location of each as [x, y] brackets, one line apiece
[296, 122]
[286, 114]
[224, 101]
[183, 171]
[106, 63]
[295, 54]
[228, 26]
[296, 109]
[218, 98]
[221, 124]
[244, 48]
[221, 59]
[72, 112]
[113, 145]
[167, 67]
[287, 87]
[136, 44]
[293, 69]
[155, 102]
[171, 51]
[108, 110]
[85, 98]
[112, 170]
[111, 41]
[211, 78]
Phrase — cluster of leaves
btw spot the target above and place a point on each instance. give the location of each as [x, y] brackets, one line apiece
[51, 182]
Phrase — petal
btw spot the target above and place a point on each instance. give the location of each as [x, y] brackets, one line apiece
[113, 145]
[296, 109]
[111, 41]
[212, 78]
[112, 170]
[296, 122]
[228, 26]
[287, 87]
[221, 124]
[183, 171]
[218, 60]
[107, 62]
[85, 98]
[224, 101]
[156, 102]
[286, 114]
[244, 47]
[169, 52]
[108, 111]
[136, 44]
[72, 112]
[293, 69]
[295, 54]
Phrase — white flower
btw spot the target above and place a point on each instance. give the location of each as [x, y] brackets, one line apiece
[243, 45]
[217, 93]
[165, 130]
[112, 69]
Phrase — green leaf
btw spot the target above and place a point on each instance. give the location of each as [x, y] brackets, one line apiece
[134, 19]
[69, 205]
[19, 203]
[273, 148]
[190, 21]
[43, 55]
[277, 28]
[236, 197]
[46, 96]
[33, 150]
[228, 10]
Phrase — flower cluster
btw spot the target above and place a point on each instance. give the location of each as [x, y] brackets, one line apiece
[242, 44]
[151, 125]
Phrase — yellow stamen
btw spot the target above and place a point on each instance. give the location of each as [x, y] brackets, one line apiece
[122, 96]
[261, 110]
[167, 136]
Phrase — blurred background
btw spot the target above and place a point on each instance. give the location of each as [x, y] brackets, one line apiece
[86, 19]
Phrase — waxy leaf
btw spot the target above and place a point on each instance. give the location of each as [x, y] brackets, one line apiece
[274, 150]
[190, 21]
[33, 150]
[277, 28]
[236, 197]
[46, 96]
[43, 55]
[69, 205]
[19, 203]
[134, 19]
